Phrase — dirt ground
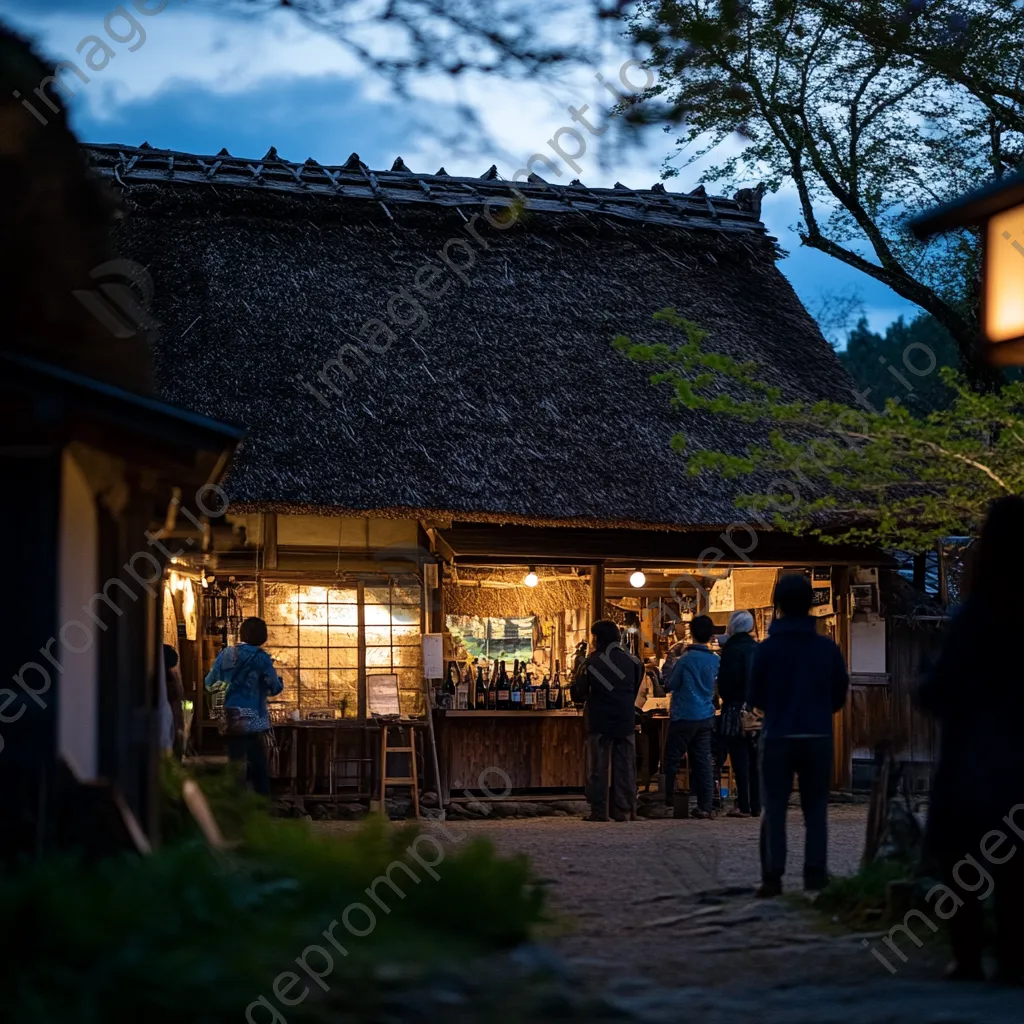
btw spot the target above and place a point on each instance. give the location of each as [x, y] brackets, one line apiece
[672, 900]
[659, 916]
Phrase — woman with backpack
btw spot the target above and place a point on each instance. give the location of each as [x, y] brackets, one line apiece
[246, 672]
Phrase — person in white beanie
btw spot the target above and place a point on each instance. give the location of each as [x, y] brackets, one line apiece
[734, 689]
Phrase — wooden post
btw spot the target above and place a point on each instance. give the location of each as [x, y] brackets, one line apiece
[596, 592]
[269, 540]
[842, 764]
[435, 602]
[921, 571]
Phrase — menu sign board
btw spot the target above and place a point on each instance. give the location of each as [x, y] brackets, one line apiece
[433, 655]
[382, 695]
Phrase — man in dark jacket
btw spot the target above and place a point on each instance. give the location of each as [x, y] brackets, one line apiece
[608, 682]
[734, 683]
[799, 681]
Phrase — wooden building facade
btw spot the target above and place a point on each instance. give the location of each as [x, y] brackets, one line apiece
[434, 409]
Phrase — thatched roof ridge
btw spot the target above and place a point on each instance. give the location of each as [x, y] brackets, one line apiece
[400, 186]
[504, 402]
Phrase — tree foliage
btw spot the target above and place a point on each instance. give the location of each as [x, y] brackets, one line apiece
[902, 364]
[873, 110]
[847, 472]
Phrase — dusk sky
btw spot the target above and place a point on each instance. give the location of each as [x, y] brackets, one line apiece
[206, 79]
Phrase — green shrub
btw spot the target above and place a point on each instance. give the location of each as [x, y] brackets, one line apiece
[190, 934]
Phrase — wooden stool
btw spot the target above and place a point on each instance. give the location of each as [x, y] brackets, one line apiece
[398, 780]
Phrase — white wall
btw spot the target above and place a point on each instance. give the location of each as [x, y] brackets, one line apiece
[867, 644]
[77, 646]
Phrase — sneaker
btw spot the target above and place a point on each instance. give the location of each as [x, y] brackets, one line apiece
[620, 817]
[705, 815]
[596, 817]
[768, 889]
[737, 813]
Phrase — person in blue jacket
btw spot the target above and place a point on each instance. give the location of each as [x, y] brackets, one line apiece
[799, 680]
[692, 716]
[248, 673]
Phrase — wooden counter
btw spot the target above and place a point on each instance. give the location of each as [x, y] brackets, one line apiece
[535, 749]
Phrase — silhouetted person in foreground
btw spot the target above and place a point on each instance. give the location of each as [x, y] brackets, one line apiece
[799, 681]
[977, 799]
[607, 682]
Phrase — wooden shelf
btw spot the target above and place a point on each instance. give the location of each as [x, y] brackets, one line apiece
[562, 713]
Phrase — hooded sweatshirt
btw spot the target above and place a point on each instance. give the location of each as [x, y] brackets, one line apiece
[799, 679]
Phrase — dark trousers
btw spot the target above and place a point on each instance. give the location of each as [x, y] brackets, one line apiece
[692, 738]
[967, 926]
[744, 759]
[811, 760]
[619, 754]
[250, 749]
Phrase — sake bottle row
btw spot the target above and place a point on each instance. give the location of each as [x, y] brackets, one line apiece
[490, 687]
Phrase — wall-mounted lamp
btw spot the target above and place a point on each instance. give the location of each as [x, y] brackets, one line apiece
[999, 212]
[531, 579]
[638, 579]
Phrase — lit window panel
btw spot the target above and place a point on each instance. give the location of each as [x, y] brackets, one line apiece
[314, 636]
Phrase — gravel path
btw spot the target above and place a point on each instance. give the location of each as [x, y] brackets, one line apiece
[658, 917]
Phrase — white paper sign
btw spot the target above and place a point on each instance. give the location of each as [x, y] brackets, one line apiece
[433, 655]
[382, 695]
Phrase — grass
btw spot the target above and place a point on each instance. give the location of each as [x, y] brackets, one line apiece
[191, 934]
[859, 900]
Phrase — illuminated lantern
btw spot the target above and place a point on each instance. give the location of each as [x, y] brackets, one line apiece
[999, 213]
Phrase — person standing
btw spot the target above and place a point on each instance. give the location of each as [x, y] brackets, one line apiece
[607, 682]
[978, 792]
[175, 696]
[248, 674]
[692, 716]
[799, 680]
[734, 681]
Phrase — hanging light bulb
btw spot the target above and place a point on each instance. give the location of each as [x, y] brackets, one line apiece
[531, 579]
[638, 579]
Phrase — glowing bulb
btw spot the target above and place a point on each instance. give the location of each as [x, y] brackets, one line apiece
[174, 582]
[531, 579]
[638, 579]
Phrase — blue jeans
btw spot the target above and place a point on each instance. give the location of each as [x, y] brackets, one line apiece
[692, 738]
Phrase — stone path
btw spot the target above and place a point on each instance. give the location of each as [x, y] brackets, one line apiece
[658, 918]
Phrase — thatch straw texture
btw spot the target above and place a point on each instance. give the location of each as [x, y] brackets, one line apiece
[504, 401]
[500, 593]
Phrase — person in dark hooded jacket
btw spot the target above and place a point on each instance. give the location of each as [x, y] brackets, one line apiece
[799, 681]
[976, 811]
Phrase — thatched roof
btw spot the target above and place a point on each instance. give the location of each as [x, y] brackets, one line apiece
[499, 592]
[510, 404]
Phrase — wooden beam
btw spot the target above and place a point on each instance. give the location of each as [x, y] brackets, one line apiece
[269, 540]
[487, 544]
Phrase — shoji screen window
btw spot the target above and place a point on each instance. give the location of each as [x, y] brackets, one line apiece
[393, 640]
[325, 639]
